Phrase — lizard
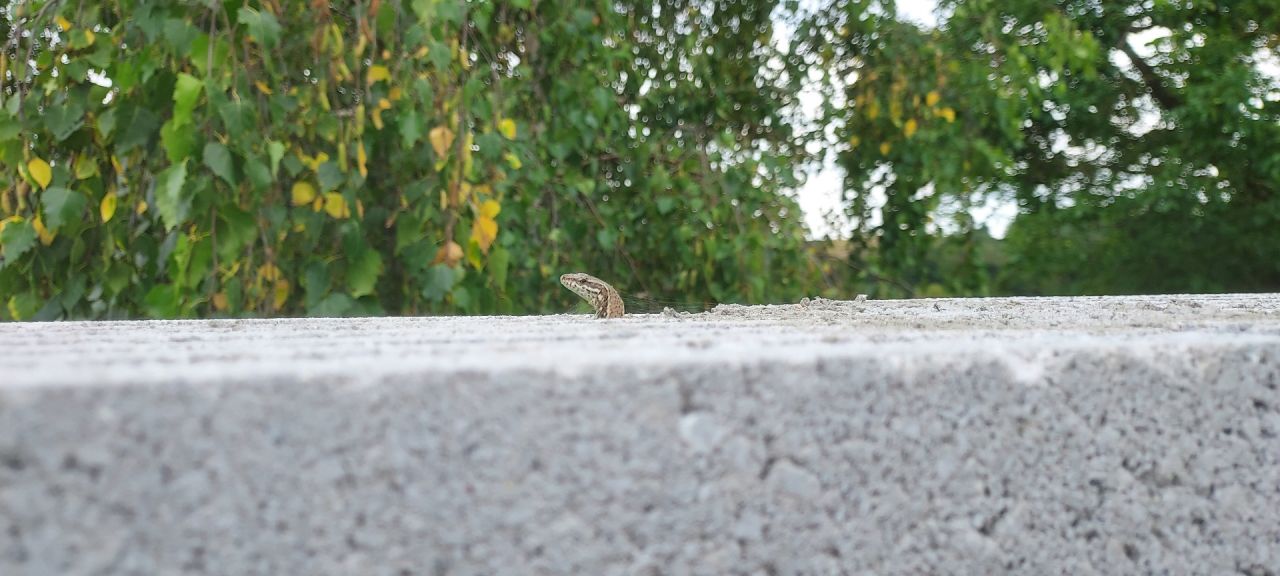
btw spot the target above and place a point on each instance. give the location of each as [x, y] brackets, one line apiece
[597, 292]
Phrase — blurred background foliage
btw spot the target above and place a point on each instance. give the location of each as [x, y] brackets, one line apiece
[289, 157]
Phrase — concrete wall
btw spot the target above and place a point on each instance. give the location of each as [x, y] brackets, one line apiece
[1031, 436]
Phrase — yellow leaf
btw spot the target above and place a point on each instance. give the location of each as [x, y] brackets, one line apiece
[220, 302]
[376, 73]
[40, 172]
[108, 207]
[910, 128]
[474, 256]
[141, 208]
[46, 237]
[508, 128]
[323, 91]
[268, 273]
[318, 205]
[336, 206]
[490, 209]
[885, 148]
[441, 138]
[63, 23]
[303, 193]
[948, 113]
[85, 167]
[483, 231]
[231, 271]
[361, 159]
[421, 53]
[513, 161]
[396, 94]
[854, 141]
[281, 293]
[384, 104]
[89, 37]
[262, 87]
[377, 118]
[313, 163]
[873, 110]
[450, 254]
[932, 98]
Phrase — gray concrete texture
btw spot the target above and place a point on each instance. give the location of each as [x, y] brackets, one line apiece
[1130, 435]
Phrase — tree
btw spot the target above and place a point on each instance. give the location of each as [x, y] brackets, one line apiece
[1135, 168]
[225, 158]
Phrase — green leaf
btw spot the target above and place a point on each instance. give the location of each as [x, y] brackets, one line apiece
[410, 128]
[425, 9]
[63, 120]
[499, 261]
[185, 94]
[61, 206]
[236, 231]
[666, 204]
[258, 173]
[9, 128]
[139, 125]
[363, 272]
[162, 301]
[439, 282]
[218, 159]
[236, 117]
[606, 238]
[118, 277]
[198, 266]
[263, 27]
[330, 176]
[107, 122]
[200, 53]
[180, 35]
[275, 150]
[23, 306]
[439, 55]
[171, 200]
[179, 142]
[332, 306]
[16, 239]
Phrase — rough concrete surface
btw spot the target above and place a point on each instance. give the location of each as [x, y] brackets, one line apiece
[1133, 435]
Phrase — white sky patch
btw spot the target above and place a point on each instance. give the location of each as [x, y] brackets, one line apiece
[921, 12]
[821, 198]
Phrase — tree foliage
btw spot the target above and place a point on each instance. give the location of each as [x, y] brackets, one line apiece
[175, 159]
[1137, 138]
[182, 159]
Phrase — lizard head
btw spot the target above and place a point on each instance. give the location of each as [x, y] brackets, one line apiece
[584, 285]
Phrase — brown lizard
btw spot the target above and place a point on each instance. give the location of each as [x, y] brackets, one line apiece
[600, 294]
